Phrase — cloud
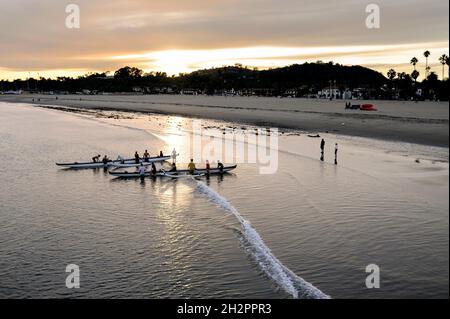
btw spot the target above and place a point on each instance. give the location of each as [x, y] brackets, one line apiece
[33, 34]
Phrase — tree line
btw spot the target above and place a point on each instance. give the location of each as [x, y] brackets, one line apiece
[305, 79]
[406, 84]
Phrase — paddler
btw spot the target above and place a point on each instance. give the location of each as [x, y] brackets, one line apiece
[191, 167]
[220, 166]
[146, 156]
[141, 170]
[161, 154]
[105, 159]
[174, 156]
[153, 169]
[95, 159]
[136, 157]
[208, 167]
[173, 169]
[121, 159]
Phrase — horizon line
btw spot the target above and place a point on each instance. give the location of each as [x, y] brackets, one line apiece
[84, 73]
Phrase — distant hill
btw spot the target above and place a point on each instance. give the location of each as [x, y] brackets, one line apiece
[315, 75]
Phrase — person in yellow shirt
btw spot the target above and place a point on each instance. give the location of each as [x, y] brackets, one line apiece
[191, 167]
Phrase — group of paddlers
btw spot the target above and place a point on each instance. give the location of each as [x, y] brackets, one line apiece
[145, 158]
[105, 159]
[173, 169]
[192, 168]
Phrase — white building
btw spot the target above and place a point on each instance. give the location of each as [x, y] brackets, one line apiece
[347, 95]
[328, 93]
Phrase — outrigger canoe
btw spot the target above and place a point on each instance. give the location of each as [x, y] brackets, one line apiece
[178, 173]
[147, 162]
[116, 163]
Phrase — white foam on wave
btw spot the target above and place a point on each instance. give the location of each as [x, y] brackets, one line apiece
[294, 285]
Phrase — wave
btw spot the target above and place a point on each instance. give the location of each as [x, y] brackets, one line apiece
[292, 284]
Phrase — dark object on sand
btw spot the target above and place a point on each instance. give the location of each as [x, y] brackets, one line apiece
[349, 106]
[313, 136]
[362, 107]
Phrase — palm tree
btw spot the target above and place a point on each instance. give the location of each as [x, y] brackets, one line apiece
[391, 74]
[415, 74]
[426, 54]
[414, 61]
[447, 62]
[443, 59]
[401, 76]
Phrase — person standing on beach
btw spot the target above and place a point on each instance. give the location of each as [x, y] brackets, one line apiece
[335, 153]
[322, 150]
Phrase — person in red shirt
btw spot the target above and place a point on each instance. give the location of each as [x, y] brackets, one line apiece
[208, 167]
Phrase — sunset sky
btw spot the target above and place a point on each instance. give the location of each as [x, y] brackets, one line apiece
[181, 36]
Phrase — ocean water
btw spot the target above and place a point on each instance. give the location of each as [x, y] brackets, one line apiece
[307, 231]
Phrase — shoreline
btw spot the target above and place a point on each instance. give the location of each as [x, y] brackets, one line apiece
[422, 152]
[425, 123]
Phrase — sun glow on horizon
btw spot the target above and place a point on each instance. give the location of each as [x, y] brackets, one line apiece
[176, 61]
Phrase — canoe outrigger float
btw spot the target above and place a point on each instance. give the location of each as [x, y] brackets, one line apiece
[116, 163]
[177, 174]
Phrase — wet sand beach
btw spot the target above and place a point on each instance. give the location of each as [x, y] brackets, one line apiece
[424, 123]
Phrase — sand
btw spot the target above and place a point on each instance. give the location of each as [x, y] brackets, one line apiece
[424, 123]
